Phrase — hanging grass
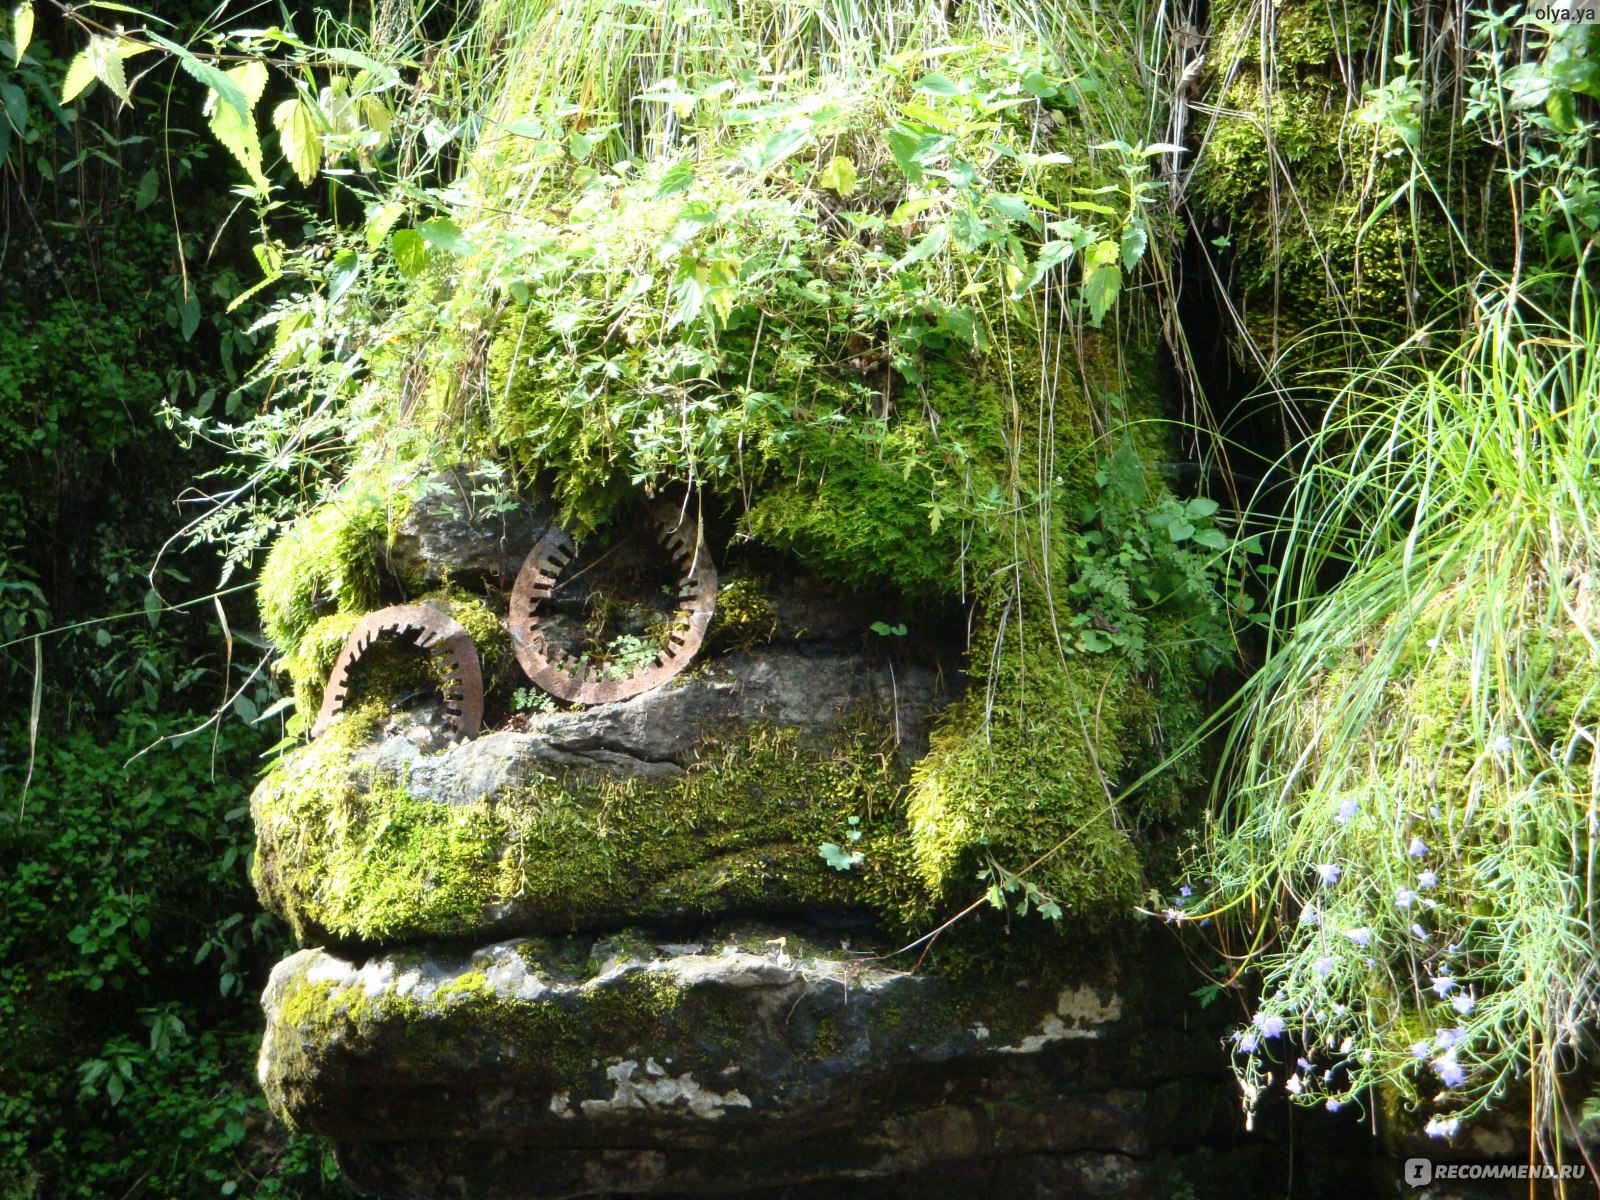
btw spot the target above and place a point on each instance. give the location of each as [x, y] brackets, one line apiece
[1405, 849]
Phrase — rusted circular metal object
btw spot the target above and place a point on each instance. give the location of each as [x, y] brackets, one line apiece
[446, 642]
[571, 679]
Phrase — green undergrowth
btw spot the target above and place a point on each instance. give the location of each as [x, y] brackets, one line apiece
[325, 563]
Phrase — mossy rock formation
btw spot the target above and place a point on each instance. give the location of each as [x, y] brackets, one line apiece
[878, 334]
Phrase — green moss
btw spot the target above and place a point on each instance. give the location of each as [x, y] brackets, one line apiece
[1305, 191]
[314, 656]
[327, 562]
[1028, 771]
[743, 620]
[739, 831]
[454, 1022]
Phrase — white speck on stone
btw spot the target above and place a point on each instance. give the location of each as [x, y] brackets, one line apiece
[561, 1105]
[652, 1067]
[1080, 1011]
[668, 1095]
[981, 1032]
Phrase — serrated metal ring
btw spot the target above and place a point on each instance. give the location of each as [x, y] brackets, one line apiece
[446, 642]
[570, 679]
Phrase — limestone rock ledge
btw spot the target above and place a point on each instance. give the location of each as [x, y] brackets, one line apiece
[563, 1067]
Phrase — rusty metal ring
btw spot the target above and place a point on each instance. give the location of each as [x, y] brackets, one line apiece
[427, 629]
[570, 679]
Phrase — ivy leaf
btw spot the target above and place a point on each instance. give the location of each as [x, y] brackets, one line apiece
[300, 135]
[838, 176]
[21, 30]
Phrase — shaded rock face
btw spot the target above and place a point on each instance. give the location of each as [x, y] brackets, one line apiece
[463, 528]
[748, 1061]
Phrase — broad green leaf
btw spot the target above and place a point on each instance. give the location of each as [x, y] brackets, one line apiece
[1039, 84]
[1135, 239]
[782, 144]
[939, 85]
[380, 220]
[299, 133]
[375, 115]
[444, 234]
[904, 145]
[678, 178]
[80, 74]
[1051, 255]
[385, 75]
[21, 30]
[346, 268]
[1201, 507]
[838, 176]
[1212, 539]
[1095, 642]
[1100, 287]
[1562, 109]
[1013, 208]
[228, 92]
[15, 103]
[238, 135]
[149, 189]
[105, 59]
[189, 317]
[926, 248]
[411, 254]
[1180, 530]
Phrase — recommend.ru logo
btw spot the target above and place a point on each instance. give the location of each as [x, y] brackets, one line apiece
[1420, 1172]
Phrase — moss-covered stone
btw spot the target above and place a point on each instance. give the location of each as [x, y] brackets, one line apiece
[326, 562]
[1322, 221]
[739, 830]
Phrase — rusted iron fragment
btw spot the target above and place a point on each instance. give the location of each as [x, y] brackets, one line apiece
[570, 679]
[427, 629]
